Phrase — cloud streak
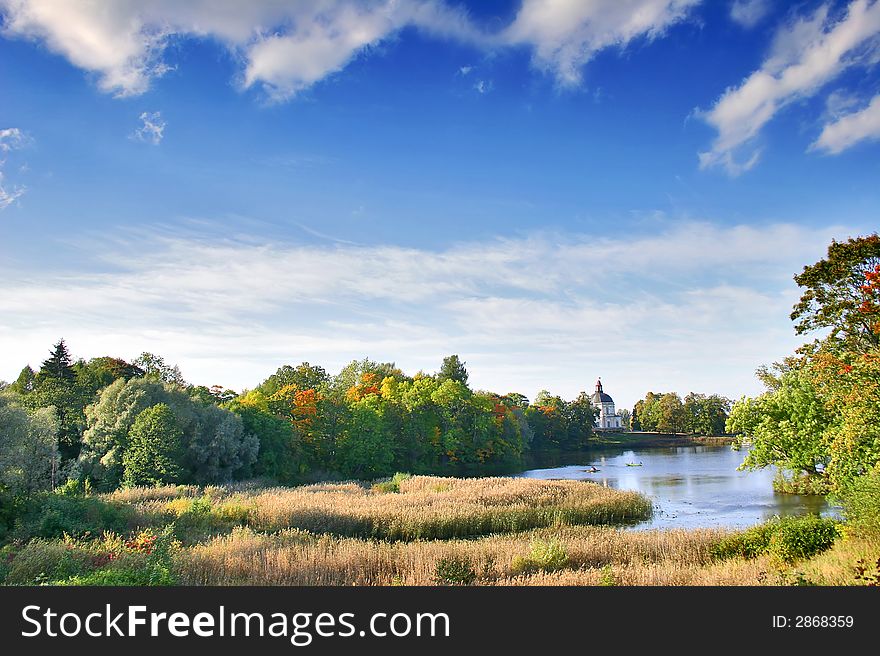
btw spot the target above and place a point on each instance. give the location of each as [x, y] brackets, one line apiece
[537, 311]
[806, 55]
[10, 139]
[850, 129]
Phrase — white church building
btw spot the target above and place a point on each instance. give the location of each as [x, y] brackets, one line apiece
[608, 418]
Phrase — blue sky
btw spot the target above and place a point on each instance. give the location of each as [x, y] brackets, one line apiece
[555, 190]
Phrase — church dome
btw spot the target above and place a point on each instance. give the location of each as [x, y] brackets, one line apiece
[599, 396]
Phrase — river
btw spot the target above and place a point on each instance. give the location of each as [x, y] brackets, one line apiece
[690, 487]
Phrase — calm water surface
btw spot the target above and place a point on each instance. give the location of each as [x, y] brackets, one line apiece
[691, 487]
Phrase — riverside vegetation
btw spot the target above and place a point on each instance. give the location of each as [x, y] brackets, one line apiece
[419, 530]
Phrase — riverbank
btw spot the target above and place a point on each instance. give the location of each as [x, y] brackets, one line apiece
[646, 440]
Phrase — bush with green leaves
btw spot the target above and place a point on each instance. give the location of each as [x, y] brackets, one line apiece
[797, 538]
[786, 539]
[392, 484]
[55, 515]
[144, 558]
[455, 570]
[544, 556]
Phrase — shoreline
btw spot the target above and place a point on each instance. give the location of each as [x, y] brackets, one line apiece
[648, 440]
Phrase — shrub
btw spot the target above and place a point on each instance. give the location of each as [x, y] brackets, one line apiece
[392, 484]
[748, 544]
[455, 570]
[606, 577]
[545, 556]
[786, 539]
[796, 538]
[42, 561]
[58, 514]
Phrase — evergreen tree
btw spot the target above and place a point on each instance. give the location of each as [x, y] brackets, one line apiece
[453, 369]
[59, 364]
[24, 384]
[56, 385]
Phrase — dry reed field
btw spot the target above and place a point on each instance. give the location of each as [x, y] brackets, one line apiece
[426, 507]
[292, 557]
[428, 530]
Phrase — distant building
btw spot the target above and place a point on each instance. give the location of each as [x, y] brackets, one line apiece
[608, 418]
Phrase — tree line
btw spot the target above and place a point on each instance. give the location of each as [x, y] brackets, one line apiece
[113, 423]
[698, 414]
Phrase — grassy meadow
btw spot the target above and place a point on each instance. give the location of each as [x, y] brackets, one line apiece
[420, 530]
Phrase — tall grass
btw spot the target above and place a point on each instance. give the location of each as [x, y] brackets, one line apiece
[433, 508]
[413, 508]
[293, 557]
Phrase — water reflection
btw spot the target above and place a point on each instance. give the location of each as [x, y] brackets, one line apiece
[691, 487]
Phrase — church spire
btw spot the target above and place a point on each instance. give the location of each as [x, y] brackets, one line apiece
[599, 386]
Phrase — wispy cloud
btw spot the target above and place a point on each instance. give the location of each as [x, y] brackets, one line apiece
[566, 35]
[550, 309]
[849, 129]
[806, 55]
[152, 129]
[10, 139]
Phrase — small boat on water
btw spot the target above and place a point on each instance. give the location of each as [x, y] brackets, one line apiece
[591, 469]
[633, 464]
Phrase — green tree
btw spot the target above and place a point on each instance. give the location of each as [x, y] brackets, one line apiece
[56, 385]
[787, 425]
[363, 449]
[453, 369]
[29, 458]
[834, 296]
[215, 445]
[59, 364]
[154, 366]
[303, 376]
[25, 382]
[706, 415]
[154, 448]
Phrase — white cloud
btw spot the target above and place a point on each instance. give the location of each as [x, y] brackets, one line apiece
[152, 128]
[285, 45]
[749, 13]
[566, 34]
[806, 55]
[10, 139]
[548, 310]
[850, 129]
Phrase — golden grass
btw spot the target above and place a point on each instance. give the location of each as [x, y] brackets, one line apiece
[837, 566]
[496, 528]
[297, 558]
[430, 507]
[427, 507]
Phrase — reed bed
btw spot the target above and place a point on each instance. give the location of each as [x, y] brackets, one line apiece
[434, 508]
[425, 508]
[294, 557]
